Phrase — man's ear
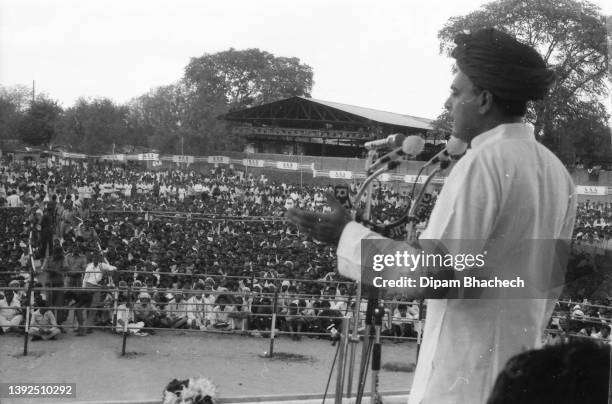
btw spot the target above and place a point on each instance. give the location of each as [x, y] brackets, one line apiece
[485, 102]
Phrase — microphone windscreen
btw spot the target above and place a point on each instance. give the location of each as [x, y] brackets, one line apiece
[413, 145]
[397, 140]
[456, 146]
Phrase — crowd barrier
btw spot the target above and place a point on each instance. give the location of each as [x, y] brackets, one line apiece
[252, 311]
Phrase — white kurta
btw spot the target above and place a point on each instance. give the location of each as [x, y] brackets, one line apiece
[508, 187]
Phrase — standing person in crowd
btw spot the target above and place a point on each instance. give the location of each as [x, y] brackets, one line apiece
[67, 219]
[507, 187]
[75, 262]
[46, 231]
[92, 280]
[54, 269]
[14, 200]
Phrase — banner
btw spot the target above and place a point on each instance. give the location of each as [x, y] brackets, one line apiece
[73, 155]
[252, 163]
[347, 175]
[412, 178]
[183, 159]
[588, 190]
[283, 165]
[148, 157]
[113, 157]
[218, 160]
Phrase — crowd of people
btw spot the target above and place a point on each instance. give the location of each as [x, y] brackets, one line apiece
[199, 251]
[189, 250]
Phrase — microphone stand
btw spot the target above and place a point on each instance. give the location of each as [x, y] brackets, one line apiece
[374, 312]
[371, 333]
[413, 219]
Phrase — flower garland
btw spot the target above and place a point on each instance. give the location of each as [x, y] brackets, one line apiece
[192, 391]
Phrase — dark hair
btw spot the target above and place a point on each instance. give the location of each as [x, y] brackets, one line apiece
[509, 108]
[568, 373]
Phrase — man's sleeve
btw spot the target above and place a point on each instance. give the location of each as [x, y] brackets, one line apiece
[349, 249]
[107, 267]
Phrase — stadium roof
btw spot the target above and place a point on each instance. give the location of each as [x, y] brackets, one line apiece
[376, 115]
[300, 110]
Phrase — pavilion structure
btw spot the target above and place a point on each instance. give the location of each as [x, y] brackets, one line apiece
[308, 126]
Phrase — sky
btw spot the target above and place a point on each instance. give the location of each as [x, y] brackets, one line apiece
[382, 55]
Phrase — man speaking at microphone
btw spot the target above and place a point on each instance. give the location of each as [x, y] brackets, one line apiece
[506, 187]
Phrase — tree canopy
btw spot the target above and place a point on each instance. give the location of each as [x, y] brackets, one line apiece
[249, 77]
[93, 126]
[571, 35]
[39, 123]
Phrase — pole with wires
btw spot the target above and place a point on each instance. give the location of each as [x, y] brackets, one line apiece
[29, 297]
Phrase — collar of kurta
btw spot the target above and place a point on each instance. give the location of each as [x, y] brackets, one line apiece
[506, 131]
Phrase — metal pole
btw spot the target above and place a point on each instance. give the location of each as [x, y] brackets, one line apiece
[341, 365]
[376, 354]
[125, 322]
[301, 172]
[115, 297]
[273, 325]
[420, 329]
[29, 298]
[354, 339]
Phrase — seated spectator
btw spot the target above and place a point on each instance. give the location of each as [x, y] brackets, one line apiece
[43, 324]
[10, 310]
[125, 318]
[209, 300]
[221, 312]
[261, 319]
[196, 309]
[176, 312]
[296, 318]
[603, 335]
[145, 311]
[240, 317]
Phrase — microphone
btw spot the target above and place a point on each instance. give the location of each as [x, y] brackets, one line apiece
[394, 140]
[454, 147]
[411, 146]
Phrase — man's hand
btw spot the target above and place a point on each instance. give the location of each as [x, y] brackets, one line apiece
[325, 227]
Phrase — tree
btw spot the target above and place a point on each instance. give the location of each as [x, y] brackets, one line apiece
[441, 127]
[20, 96]
[235, 79]
[249, 77]
[162, 112]
[585, 134]
[14, 101]
[94, 126]
[39, 123]
[570, 35]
